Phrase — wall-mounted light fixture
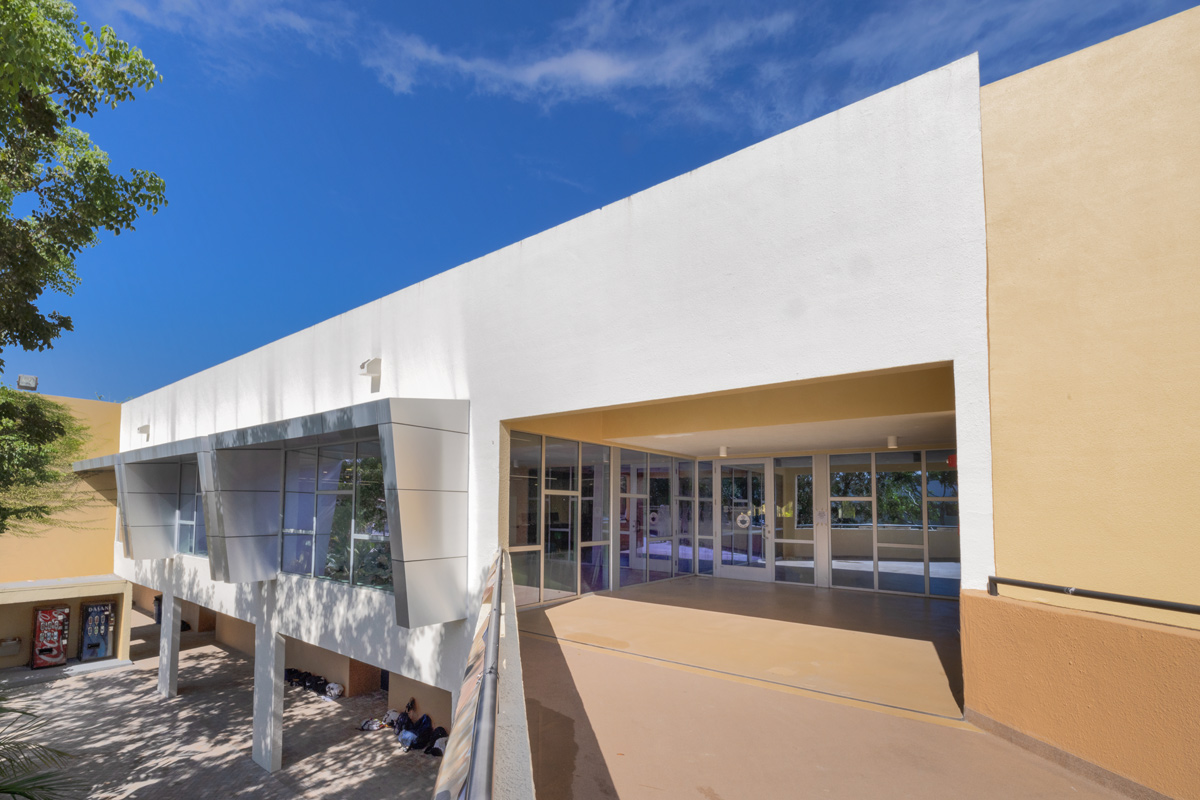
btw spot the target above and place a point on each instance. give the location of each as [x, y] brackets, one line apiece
[27, 382]
[144, 430]
[893, 442]
[372, 368]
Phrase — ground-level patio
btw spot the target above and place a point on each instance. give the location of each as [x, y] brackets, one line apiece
[711, 688]
[130, 743]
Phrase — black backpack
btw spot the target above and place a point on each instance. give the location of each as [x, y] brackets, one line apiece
[402, 723]
[438, 733]
[424, 731]
[319, 685]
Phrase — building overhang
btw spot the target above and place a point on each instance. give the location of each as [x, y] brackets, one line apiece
[423, 443]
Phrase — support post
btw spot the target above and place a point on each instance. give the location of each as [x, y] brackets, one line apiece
[268, 683]
[168, 643]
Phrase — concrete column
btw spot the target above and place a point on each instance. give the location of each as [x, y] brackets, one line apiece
[268, 683]
[168, 643]
[126, 614]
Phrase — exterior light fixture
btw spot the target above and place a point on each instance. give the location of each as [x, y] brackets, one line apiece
[144, 430]
[27, 382]
[893, 442]
[372, 368]
[724, 451]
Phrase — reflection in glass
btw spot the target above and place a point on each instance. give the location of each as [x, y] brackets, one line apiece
[850, 475]
[851, 544]
[373, 563]
[298, 554]
[793, 498]
[945, 570]
[684, 471]
[200, 539]
[943, 473]
[683, 564]
[527, 581]
[902, 569]
[794, 562]
[704, 552]
[300, 471]
[743, 516]
[704, 479]
[593, 568]
[898, 499]
[594, 494]
[562, 458]
[334, 519]
[560, 563]
[633, 472]
[187, 535]
[335, 466]
[370, 507]
[525, 456]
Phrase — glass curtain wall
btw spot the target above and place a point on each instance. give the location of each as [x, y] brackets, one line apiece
[685, 517]
[894, 521]
[192, 539]
[634, 499]
[794, 543]
[558, 526]
[335, 514]
[660, 546]
[704, 517]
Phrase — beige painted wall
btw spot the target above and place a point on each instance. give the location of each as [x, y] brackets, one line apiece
[356, 677]
[235, 633]
[88, 548]
[1092, 185]
[910, 391]
[1119, 693]
[16, 620]
[430, 700]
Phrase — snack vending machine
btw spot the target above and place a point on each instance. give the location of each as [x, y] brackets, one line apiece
[50, 627]
[97, 633]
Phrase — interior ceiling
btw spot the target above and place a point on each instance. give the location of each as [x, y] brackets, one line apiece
[913, 430]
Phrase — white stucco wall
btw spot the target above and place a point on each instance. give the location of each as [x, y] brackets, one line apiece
[857, 238]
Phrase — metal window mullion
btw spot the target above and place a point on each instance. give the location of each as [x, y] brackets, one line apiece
[874, 522]
[578, 533]
[542, 520]
[925, 518]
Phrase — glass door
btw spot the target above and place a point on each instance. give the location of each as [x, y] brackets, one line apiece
[743, 527]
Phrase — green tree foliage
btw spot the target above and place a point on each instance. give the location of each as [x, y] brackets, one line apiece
[39, 439]
[57, 189]
[28, 770]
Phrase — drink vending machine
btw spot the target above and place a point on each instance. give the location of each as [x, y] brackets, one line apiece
[97, 632]
[50, 628]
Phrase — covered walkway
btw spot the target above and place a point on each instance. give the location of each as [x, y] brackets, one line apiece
[710, 688]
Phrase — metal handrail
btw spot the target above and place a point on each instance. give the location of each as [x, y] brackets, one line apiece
[1166, 605]
[483, 742]
[468, 760]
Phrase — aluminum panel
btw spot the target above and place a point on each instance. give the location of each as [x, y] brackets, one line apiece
[431, 524]
[249, 514]
[149, 509]
[249, 470]
[152, 478]
[430, 592]
[150, 541]
[252, 558]
[447, 415]
[424, 458]
[218, 559]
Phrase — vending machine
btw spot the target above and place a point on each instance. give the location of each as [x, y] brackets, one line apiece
[50, 627]
[97, 632]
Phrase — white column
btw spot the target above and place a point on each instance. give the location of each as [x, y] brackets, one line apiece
[268, 683]
[168, 642]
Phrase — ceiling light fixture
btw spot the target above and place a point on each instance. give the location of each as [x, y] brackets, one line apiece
[893, 442]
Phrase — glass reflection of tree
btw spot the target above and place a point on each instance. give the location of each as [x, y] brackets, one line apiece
[372, 558]
[804, 500]
[899, 497]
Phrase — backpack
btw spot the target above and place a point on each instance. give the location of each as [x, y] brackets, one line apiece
[403, 723]
[320, 685]
[424, 731]
[439, 735]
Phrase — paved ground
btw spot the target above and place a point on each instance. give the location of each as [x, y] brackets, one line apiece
[130, 743]
[607, 720]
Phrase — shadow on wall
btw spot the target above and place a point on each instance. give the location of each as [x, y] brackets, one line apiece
[567, 759]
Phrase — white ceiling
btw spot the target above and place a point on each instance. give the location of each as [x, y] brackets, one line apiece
[914, 430]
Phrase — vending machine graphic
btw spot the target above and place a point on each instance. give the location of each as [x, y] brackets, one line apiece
[50, 627]
[97, 633]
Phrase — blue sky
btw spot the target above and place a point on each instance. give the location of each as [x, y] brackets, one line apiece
[319, 155]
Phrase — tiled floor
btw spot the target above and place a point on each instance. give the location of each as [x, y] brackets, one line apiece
[722, 689]
[130, 743]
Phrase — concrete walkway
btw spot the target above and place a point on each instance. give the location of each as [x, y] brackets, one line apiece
[130, 743]
[646, 713]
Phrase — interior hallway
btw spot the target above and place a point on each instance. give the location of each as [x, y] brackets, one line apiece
[726, 689]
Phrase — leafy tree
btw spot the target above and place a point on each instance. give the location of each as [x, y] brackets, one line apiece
[39, 439]
[57, 189]
[29, 770]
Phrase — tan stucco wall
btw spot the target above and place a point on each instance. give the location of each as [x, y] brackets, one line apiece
[87, 549]
[1092, 186]
[235, 633]
[1119, 693]
[355, 677]
[430, 699]
[910, 391]
[16, 621]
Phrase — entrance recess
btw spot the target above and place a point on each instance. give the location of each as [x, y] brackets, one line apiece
[743, 528]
